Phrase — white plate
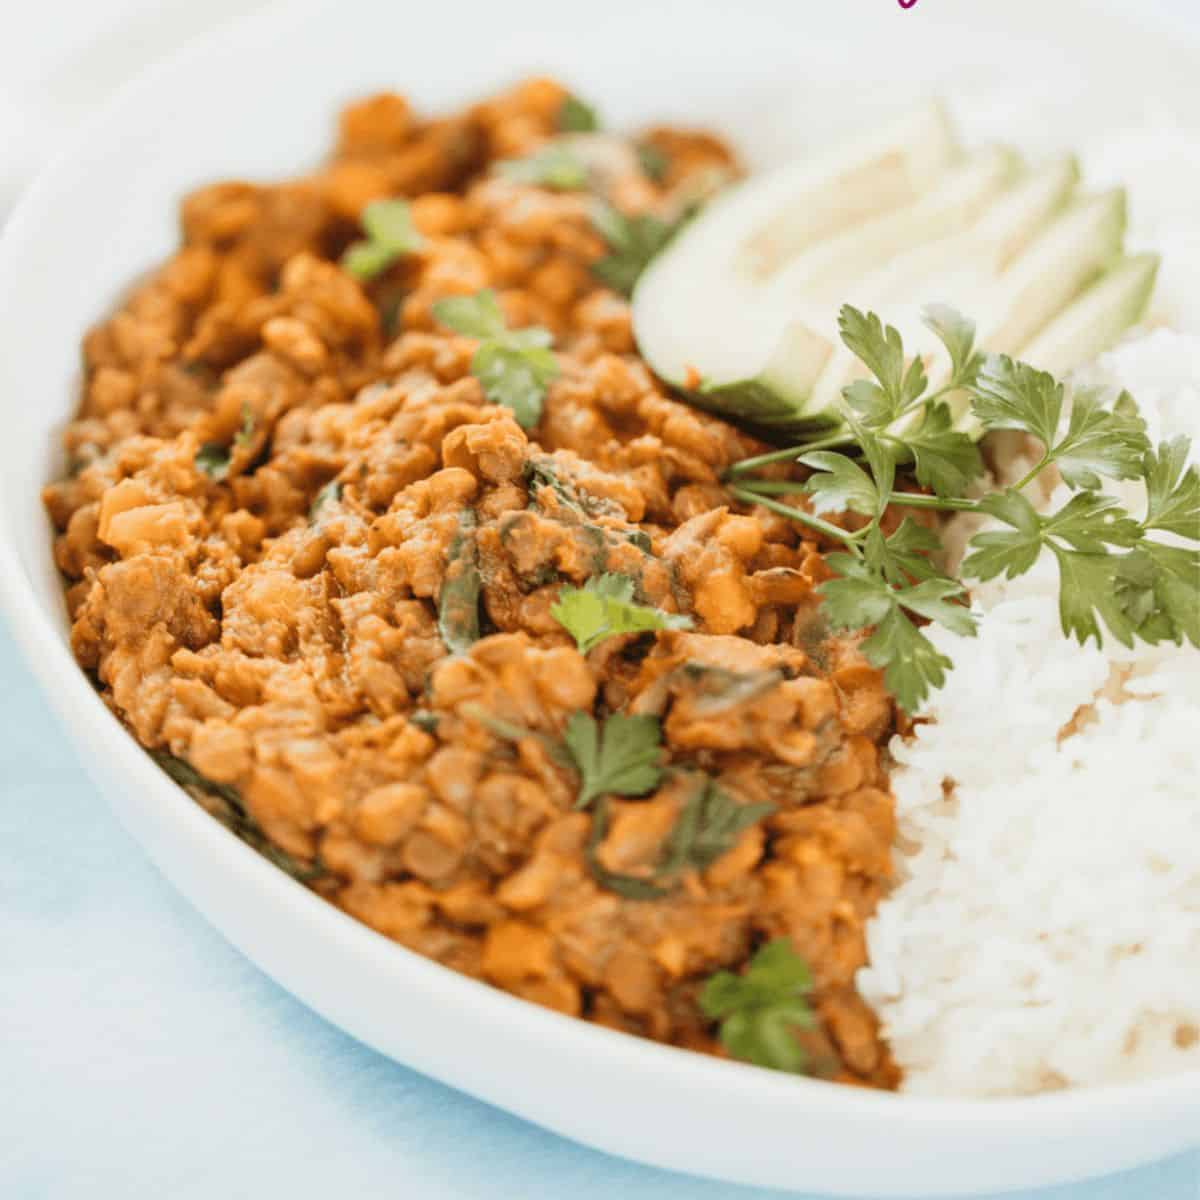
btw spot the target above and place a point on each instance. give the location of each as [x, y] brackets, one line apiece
[259, 99]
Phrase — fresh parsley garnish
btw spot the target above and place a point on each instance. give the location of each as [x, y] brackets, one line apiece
[1113, 572]
[390, 236]
[620, 757]
[515, 366]
[576, 116]
[861, 596]
[604, 607]
[632, 243]
[761, 1010]
[553, 166]
[1098, 441]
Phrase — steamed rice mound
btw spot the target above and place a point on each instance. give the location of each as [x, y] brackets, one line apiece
[1046, 929]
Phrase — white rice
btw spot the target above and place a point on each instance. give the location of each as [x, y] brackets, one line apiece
[1045, 931]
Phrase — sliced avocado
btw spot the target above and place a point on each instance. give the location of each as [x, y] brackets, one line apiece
[961, 270]
[1097, 319]
[698, 309]
[1071, 254]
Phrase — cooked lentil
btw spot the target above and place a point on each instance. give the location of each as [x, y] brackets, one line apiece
[281, 625]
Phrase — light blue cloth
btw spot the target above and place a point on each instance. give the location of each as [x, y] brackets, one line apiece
[143, 1057]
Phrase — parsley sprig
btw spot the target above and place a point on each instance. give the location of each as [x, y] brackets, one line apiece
[604, 607]
[515, 366]
[762, 1009]
[1115, 569]
[390, 236]
[620, 758]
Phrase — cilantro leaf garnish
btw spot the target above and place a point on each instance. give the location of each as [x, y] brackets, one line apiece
[552, 166]
[390, 236]
[619, 758]
[576, 116]
[761, 1009]
[515, 366]
[604, 607]
[632, 243]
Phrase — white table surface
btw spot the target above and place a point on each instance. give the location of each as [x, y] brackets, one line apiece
[141, 1056]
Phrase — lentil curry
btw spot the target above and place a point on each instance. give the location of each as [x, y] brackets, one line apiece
[321, 576]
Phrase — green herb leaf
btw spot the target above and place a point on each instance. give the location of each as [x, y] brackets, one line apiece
[1088, 594]
[515, 378]
[632, 243]
[841, 486]
[604, 607]
[906, 555]
[957, 334]
[553, 166]
[997, 552]
[390, 236]
[861, 596]
[912, 666]
[1172, 490]
[514, 366]
[458, 600]
[1099, 441]
[575, 116]
[1012, 395]
[881, 350]
[1157, 589]
[708, 826]
[1088, 523]
[620, 758]
[870, 402]
[945, 459]
[761, 1009]
[477, 316]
